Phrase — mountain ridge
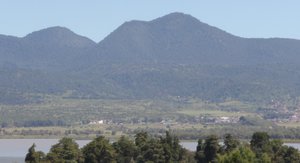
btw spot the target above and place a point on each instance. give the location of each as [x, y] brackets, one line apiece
[174, 55]
[184, 39]
[171, 14]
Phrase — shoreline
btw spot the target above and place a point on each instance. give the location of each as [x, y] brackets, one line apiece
[113, 138]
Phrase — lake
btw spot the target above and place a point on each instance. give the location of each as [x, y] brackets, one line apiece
[14, 150]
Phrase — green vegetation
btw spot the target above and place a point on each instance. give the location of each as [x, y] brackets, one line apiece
[188, 118]
[99, 150]
[66, 150]
[145, 148]
[196, 83]
[33, 156]
[167, 149]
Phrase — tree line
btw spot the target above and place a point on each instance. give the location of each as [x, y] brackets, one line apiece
[145, 148]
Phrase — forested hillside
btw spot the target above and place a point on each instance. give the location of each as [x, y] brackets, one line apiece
[169, 57]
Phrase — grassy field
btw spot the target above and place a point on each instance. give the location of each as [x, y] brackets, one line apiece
[213, 113]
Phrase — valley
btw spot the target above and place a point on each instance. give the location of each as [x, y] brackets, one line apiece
[188, 118]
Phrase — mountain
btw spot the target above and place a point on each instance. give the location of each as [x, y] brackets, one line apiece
[51, 48]
[181, 38]
[173, 38]
[172, 56]
[58, 37]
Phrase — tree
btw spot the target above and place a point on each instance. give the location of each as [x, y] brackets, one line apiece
[99, 151]
[172, 149]
[230, 143]
[264, 158]
[292, 155]
[278, 151]
[66, 150]
[211, 148]
[282, 153]
[125, 150]
[260, 143]
[32, 156]
[199, 155]
[141, 138]
[151, 151]
[241, 155]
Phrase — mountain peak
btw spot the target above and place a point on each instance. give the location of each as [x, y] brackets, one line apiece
[56, 30]
[176, 17]
[58, 35]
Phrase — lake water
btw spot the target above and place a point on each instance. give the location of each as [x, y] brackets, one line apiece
[14, 150]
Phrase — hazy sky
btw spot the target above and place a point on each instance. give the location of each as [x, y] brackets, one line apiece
[97, 18]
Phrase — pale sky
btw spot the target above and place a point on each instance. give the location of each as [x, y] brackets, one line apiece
[97, 18]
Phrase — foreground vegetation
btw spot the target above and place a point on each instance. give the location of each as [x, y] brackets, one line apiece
[166, 149]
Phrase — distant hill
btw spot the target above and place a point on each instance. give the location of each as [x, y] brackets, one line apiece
[172, 56]
[51, 48]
